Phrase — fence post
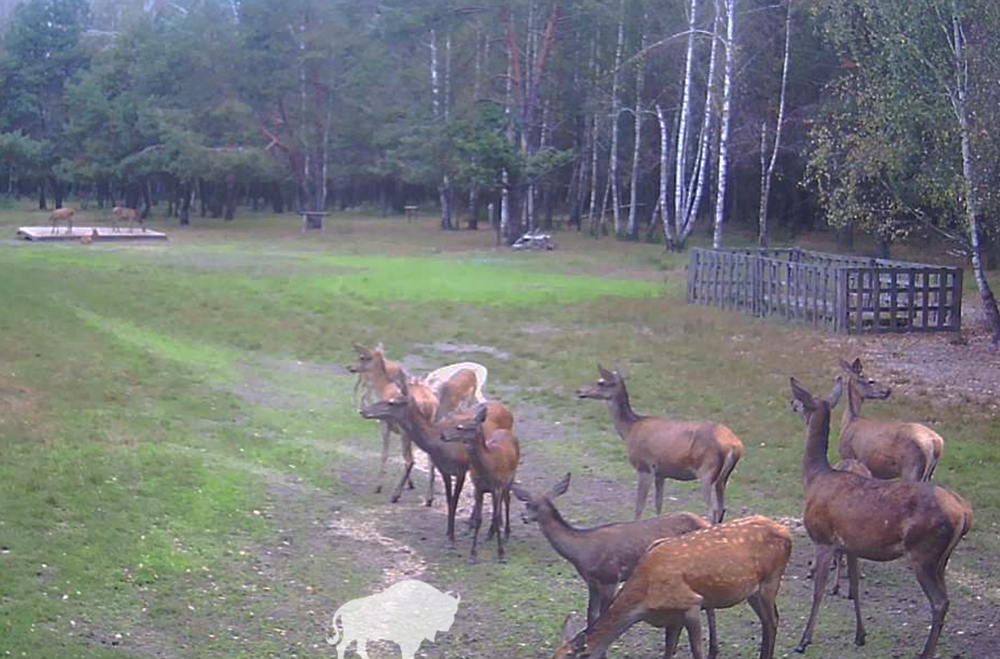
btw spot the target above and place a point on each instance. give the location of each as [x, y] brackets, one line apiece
[841, 321]
[956, 312]
[692, 276]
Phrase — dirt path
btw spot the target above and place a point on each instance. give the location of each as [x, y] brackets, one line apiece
[329, 547]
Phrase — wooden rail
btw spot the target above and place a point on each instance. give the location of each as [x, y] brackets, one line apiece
[842, 293]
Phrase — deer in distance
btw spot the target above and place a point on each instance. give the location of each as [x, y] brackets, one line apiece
[450, 458]
[879, 520]
[714, 568]
[64, 214]
[494, 454]
[890, 449]
[130, 216]
[604, 556]
[661, 448]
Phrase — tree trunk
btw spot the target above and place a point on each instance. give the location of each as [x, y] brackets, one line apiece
[727, 95]
[613, 155]
[42, 204]
[187, 192]
[668, 231]
[640, 78]
[768, 175]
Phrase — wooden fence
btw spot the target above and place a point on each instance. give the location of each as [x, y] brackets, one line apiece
[845, 294]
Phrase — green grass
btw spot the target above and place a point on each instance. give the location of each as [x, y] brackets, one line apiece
[172, 415]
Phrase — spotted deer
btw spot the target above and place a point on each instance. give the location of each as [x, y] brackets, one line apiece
[661, 448]
[604, 556]
[715, 568]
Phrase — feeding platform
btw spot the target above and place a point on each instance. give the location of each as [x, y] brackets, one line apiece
[103, 233]
[846, 294]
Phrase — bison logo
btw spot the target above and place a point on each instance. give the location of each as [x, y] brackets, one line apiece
[406, 613]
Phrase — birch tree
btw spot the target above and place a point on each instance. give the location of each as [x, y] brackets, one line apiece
[727, 101]
[637, 112]
[767, 171]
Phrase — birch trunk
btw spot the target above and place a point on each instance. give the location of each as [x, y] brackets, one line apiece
[640, 78]
[695, 190]
[768, 175]
[727, 95]
[668, 231]
[613, 156]
[681, 158]
[592, 217]
[970, 176]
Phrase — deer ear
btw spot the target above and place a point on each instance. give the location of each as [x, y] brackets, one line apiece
[560, 488]
[802, 395]
[567, 629]
[481, 411]
[845, 365]
[401, 384]
[606, 374]
[857, 367]
[837, 392]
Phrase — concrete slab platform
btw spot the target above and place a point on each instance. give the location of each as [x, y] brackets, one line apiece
[103, 233]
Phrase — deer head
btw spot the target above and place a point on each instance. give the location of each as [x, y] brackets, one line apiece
[606, 387]
[393, 408]
[536, 505]
[365, 359]
[466, 432]
[869, 388]
[805, 404]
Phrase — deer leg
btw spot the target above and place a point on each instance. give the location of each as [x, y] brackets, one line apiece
[478, 515]
[406, 476]
[407, 446]
[658, 483]
[854, 593]
[642, 493]
[497, 513]
[384, 428]
[932, 582]
[429, 499]
[593, 602]
[446, 479]
[670, 642]
[713, 637]
[506, 507]
[768, 623]
[692, 622]
[838, 556]
[719, 505]
[824, 554]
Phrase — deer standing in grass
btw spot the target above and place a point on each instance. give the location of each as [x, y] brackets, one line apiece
[494, 454]
[64, 214]
[604, 556]
[366, 360]
[876, 520]
[890, 449]
[130, 216]
[714, 568]
[450, 458]
[661, 448]
[373, 365]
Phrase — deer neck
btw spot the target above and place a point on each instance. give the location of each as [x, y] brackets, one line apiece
[852, 412]
[622, 413]
[563, 537]
[479, 453]
[421, 430]
[816, 460]
[379, 376]
[622, 614]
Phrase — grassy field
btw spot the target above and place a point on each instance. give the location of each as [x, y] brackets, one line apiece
[182, 473]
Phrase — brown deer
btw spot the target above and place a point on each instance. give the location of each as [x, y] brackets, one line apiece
[366, 358]
[450, 458]
[130, 216]
[714, 568]
[854, 467]
[64, 214]
[457, 392]
[604, 556]
[876, 520]
[494, 454]
[890, 449]
[661, 448]
[437, 377]
[373, 365]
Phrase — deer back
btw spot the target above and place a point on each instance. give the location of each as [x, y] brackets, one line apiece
[458, 391]
[892, 449]
[679, 449]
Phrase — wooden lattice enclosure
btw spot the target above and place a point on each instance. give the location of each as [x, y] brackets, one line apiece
[846, 294]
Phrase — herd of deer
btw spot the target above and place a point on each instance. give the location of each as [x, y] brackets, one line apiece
[878, 504]
[129, 216]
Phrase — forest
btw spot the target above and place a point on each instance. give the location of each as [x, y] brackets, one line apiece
[635, 119]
